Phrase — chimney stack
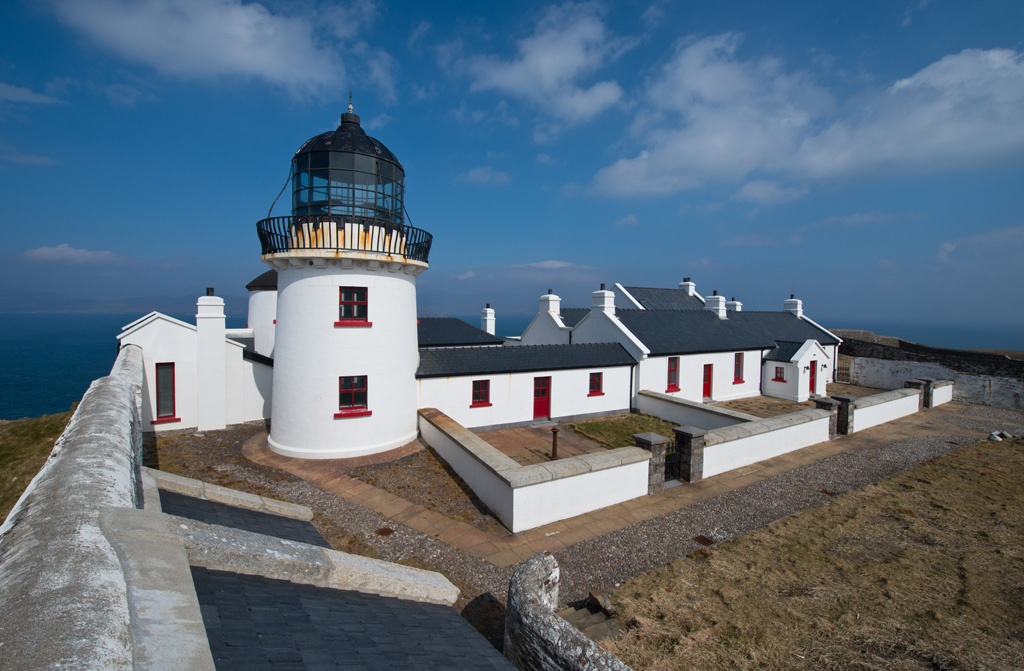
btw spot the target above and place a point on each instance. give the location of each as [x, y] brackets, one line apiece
[734, 305]
[551, 303]
[716, 304]
[487, 319]
[603, 301]
[689, 287]
[794, 305]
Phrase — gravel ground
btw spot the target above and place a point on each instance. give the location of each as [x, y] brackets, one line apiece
[609, 560]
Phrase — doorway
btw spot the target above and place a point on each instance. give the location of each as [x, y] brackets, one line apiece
[541, 398]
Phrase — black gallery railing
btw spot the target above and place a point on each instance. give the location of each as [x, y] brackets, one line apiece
[337, 233]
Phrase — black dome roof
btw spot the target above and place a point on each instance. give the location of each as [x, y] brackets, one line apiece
[351, 138]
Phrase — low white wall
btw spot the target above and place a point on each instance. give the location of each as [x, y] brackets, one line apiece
[683, 412]
[733, 447]
[942, 393]
[525, 497]
[999, 392]
[871, 411]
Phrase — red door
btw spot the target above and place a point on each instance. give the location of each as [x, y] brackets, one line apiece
[707, 380]
[814, 377]
[541, 397]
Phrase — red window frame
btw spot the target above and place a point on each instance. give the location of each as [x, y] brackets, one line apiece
[353, 309]
[353, 396]
[673, 374]
[780, 374]
[596, 384]
[737, 368]
[481, 394]
[168, 369]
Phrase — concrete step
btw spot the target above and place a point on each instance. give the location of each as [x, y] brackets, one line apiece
[603, 630]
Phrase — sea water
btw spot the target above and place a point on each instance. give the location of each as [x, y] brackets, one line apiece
[48, 360]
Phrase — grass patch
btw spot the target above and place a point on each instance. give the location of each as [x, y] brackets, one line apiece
[617, 431]
[924, 570]
[24, 446]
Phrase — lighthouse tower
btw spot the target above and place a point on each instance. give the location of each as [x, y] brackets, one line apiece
[345, 351]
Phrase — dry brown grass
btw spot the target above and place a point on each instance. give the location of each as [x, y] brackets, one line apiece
[924, 570]
[25, 444]
[617, 431]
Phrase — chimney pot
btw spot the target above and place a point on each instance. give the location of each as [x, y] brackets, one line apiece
[715, 292]
[209, 291]
[602, 286]
[792, 295]
[488, 305]
[550, 291]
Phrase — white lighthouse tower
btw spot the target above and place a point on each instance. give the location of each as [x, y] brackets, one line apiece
[345, 350]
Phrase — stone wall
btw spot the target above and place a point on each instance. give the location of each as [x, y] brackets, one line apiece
[75, 613]
[536, 639]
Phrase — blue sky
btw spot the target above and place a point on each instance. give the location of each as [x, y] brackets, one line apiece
[868, 156]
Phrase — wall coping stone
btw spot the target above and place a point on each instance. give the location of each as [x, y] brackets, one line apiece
[885, 397]
[203, 490]
[764, 425]
[702, 407]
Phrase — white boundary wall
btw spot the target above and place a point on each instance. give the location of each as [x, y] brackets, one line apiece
[525, 497]
[999, 392]
[871, 411]
[683, 412]
[733, 447]
[942, 392]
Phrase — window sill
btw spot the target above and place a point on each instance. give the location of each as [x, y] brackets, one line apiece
[480, 405]
[353, 412]
[596, 393]
[737, 381]
[166, 420]
[777, 379]
[671, 389]
[353, 322]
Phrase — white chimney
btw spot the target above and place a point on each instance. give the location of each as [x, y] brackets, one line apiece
[487, 319]
[550, 303]
[689, 287]
[794, 305]
[211, 362]
[603, 301]
[734, 305]
[716, 304]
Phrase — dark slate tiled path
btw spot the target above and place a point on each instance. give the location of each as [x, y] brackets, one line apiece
[258, 623]
[212, 512]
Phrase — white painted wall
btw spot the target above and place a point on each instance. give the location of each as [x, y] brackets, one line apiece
[685, 413]
[788, 389]
[728, 456]
[999, 392]
[164, 339]
[898, 403]
[211, 364]
[547, 502]
[654, 375]
[512, 395]
[311, 353]
[545, 329]
[943, 394]
[601, 327]
[262, 315]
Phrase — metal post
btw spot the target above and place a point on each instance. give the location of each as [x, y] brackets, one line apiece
[554, 443]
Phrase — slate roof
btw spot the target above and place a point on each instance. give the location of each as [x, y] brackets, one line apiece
[784, 351]
[445, 362]
[694, 331]
[266, 282]
[572, 316]
[254, 622]
[452, 332]
[213, 512]
[250, 353]
[665, 299]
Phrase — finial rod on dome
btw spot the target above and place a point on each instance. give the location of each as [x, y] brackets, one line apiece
[350, 110]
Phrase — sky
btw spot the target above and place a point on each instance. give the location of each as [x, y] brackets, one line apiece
[867, 157]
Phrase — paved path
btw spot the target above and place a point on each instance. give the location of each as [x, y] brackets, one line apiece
[528, 445]
[503, 548]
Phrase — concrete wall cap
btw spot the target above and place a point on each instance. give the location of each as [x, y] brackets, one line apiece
[204, 490]
[702, 407]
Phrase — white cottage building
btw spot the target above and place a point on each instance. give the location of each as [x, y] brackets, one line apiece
[334, 355]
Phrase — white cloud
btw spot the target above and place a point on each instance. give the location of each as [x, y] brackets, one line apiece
[766, 192]
[17, 94]
[416, 37]
[545, 159]
[484, 175]
[550, 264]
[1003, 247]
[210, 39]
[711, 117]
[377, 122]
[10, 154]
[628, 220]
[468, 275]
[750, 241]
[570, 43]
[66, 254]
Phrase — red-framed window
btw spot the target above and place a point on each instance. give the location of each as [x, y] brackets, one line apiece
[596, 384]
[165, 402]
[673, 374]
[780, 374]
[353, 307]
[352, 397]
[481, 393]
[737, 368]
